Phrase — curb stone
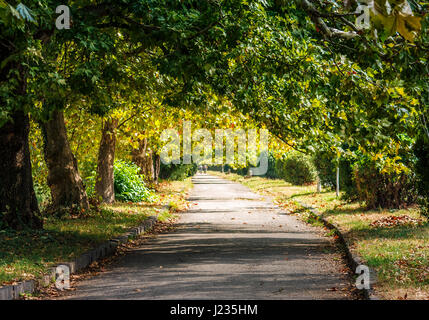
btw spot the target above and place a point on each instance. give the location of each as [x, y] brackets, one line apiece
[13, 292]
[353, 260]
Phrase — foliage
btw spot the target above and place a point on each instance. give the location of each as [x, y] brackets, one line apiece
[38, 166]
[421, 151]
[177, 172]
[382, 184]
[347, 183]
[300, 68]
[326, 169]
[43, 194]
[129, 183]
[296, 168]
[326, 166]
[272, 172]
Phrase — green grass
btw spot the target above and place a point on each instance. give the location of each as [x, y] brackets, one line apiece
[28, 254]
[399, 254]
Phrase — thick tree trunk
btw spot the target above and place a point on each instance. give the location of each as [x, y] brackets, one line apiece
[67, 189]
[104, 185]
[18, 203]
[143, 157]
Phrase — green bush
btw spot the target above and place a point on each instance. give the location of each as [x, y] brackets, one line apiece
[89, 182]
[326, 167]
[129, 183]
[177, 172]
[272, 172]
[240, 171]
[43, 193]
[421, 151]
[324, 162]
[347, 183]
[381, 188]
[296, 168]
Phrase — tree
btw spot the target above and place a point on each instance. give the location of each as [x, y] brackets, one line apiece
[104, 185]
[64, 180]
[300, 67]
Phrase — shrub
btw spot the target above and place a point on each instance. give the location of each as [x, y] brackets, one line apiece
[325, 164]
[296, 168]
[43, 193]
[177, 172]
[129, 183]
[326, 169]
[421, 151]
[383, 184]
[347, 183]
[272, 172]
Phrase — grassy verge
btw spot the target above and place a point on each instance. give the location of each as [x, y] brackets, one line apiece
[28, 254]
[393, 242]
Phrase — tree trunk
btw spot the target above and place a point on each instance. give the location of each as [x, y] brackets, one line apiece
[67, 189]
[104, 185]
[150, 170]
[157, 168]
[18, 203]
[144, 159]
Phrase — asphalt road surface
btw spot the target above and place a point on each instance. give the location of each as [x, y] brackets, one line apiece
[232, 244]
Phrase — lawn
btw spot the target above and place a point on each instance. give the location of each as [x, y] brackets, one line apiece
[393, 242]
[28, 254]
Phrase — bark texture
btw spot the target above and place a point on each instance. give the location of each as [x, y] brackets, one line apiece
[104, 185]
[157, 169]
[18, 203]
[143, 157]
[64, 180]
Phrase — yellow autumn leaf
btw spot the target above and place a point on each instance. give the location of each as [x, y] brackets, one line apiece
[414, 102]
[401, 91]
[407, 26]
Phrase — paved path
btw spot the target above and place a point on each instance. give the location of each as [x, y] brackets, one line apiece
[231, 244]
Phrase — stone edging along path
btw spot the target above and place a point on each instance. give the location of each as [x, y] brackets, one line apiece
[352, 260]
[13, 292]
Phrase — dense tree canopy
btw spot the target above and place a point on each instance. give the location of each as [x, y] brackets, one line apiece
[303, 69]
